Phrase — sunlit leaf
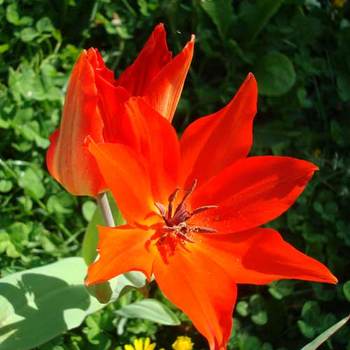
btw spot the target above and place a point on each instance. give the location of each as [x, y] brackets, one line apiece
[39, 304]
[150, 309]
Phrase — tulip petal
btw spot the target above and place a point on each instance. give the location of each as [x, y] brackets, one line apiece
[152, 136]
[68, 160]
[222, 137]
[111, 102]
[152, 58]
[125, 174]
[260, 256]
[202, 289]
[101, 69]
[50, 154]
[121, 249]
[251, 192]
[165, 90]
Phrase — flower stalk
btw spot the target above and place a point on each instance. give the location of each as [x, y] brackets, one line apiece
[103, 203]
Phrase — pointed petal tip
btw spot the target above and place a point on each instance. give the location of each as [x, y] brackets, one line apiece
[328, 277]
[159, 31]
[250, 75]
[250, 78]
[160, 27]
[310, 168]
[333, 279]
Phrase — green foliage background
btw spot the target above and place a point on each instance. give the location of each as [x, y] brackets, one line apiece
[300, 53]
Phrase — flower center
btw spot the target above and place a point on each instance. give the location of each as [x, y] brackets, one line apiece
[175, 218]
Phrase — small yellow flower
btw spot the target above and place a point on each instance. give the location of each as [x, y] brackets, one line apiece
[339, 3]
[183, 343]
[141, 344]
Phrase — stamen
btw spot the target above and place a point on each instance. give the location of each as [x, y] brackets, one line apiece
[187, 194]
[181, 215]
[161, 209]
[203, 208]
[170, 205]
[202, 229]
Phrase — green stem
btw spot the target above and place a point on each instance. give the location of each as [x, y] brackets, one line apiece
[103, 203]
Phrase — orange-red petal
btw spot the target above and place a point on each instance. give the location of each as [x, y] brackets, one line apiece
[154, 138]
[202, 289]
[68, 160]
[251, 192]
[126, 175]
[260, 256]
[111, 103]
[200, 277]
[152, 58]
[121, 249]
[213, 142]
[165, 89]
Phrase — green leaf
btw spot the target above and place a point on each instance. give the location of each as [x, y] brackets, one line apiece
[5, 186]
[256, 17]
[39, 304]
[346, 290]
[242, 308]
[150, 309]
[31, 183]
[90, 240]
[326, 335]
[91, 234]
[4, 48]
[12, 15]
[275, 74]
[28, 34]
[220, 12]
[60, 203]
[44, 25]
[88, 209]
[103, 291]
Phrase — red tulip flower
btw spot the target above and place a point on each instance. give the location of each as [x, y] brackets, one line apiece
[95, 99]
[194, 208]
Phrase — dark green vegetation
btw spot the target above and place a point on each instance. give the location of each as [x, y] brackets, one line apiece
[300, 53]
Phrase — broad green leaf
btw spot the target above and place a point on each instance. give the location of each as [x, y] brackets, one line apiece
[39, 304]
[326, 335]
[220, 12]
[150, 309]
[91, 237]
[91, 234]
[275, 74]
[104, 291]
